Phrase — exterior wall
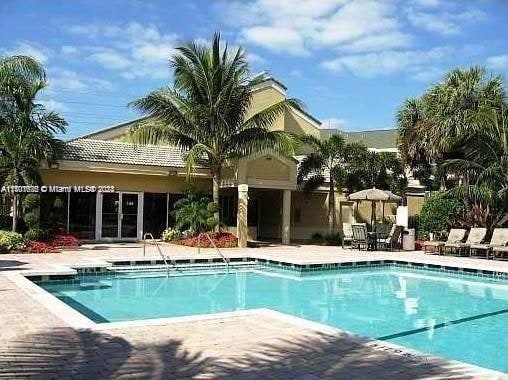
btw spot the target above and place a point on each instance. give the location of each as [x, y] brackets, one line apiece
[415, 204]
[123, 182]
[263, 98]
[299, 124]
[268, 168]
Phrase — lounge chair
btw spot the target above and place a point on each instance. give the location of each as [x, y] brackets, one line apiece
[499, 251]
[347, 234]
[455, 235]
[476, 236]
[360, 238]
[392, 240]
[498, 240]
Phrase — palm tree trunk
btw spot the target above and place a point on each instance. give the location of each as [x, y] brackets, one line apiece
[331, 208]
[215, 196]
[14, 212]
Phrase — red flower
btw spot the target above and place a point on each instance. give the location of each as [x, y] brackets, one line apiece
[222, 240]
[40, 247]
[65, 241]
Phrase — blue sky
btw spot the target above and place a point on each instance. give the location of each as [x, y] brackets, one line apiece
[352, 62]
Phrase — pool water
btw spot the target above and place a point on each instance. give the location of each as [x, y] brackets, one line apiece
[457, 317]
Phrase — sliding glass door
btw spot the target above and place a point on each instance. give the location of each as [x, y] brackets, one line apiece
[119, 215]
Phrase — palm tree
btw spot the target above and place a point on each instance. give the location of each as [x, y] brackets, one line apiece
[205, 112]
[325, 164]
[485, 165]
[460, 125]
[27, 128]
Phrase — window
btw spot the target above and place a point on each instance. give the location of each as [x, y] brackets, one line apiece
[82, 215]
[155, 213]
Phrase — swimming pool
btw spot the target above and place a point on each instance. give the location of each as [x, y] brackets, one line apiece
[459, 317]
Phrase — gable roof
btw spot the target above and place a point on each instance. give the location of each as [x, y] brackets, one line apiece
[123, 153]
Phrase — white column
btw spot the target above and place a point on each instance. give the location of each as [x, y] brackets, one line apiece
[286, 216]
[242, 229]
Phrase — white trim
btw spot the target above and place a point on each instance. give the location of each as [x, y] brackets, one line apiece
[306, 118]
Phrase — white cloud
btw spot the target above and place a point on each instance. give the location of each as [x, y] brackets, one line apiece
[427, 74]
[32, 49]
[54, 105]
[300, 27]
[69, 51]
[333, 123]
[276, 39]
[255, 59]
[383, 63]
[446, 23]
[134, 50]
[498, 62]
[111, 59]
[70, 80]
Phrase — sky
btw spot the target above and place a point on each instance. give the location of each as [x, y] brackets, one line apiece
[352, 62]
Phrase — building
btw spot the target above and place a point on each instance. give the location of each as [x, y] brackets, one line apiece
[259, 196]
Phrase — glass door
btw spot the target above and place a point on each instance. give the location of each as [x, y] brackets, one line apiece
[129, 215]
[110, 215]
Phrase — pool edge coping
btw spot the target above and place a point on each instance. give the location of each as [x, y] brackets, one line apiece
[78, 321]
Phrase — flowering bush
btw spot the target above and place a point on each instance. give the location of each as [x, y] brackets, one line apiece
[65, 241]
[222, 240]
[41, 247]
[11, 240]
[171, 234]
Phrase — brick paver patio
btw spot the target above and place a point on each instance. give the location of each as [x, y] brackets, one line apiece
[36, 343]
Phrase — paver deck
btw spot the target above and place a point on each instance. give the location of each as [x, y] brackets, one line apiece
[36, 343]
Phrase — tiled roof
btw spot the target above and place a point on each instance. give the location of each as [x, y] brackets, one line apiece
[123, 153]
[325, 172]
[379, 139]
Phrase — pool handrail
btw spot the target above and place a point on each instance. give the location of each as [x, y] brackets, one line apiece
[226, 261]
[149, 234]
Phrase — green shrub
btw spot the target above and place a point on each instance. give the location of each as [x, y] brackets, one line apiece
[11, 240]
[195, 213]
[5, 222]
[171, 234]
[31, 202]
[439, 214]
[35, 234]
[31, 219]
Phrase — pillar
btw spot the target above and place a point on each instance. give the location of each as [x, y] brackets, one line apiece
[242, 229]
[286, 216]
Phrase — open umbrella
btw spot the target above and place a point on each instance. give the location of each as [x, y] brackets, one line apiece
[374, 195]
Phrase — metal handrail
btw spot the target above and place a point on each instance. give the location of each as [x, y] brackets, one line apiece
[148, 234]
[213, 244]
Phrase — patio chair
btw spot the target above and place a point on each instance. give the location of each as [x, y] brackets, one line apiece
[499, 251]
[455, 235]
[347, 234]
[498, 240]
[360, 238]
[392, 240]
[476, 236]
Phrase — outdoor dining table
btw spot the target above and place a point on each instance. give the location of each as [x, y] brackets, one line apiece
[372, 237]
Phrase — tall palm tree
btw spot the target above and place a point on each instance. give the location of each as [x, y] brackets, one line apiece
[485, 165]
[27, 128]
[324, 165]
[460, 125]
[205, 112]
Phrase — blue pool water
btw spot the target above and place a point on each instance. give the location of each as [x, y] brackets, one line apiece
[463, 318]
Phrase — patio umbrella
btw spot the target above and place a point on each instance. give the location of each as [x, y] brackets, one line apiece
[374, 195]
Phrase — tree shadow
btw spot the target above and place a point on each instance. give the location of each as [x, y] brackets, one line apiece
[327, 356]
[66, 353]
[10, 264]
